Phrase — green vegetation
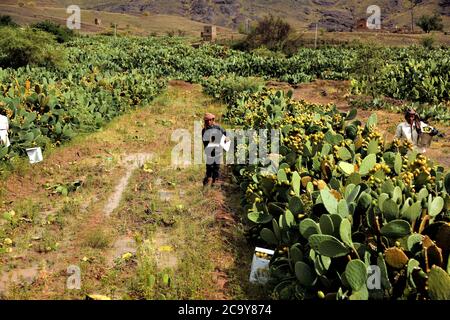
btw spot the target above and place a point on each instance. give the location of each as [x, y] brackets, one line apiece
[437, 112]
[428, 42]
[342, 200]
[7, 21]
[270, 32]
[229, 89]
[104, 77]
[98, 239]
[29, 48]
[430, 23]
[62, 34]
[419, 76]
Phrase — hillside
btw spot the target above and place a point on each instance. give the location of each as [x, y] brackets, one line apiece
[338, 15]
[126, 23]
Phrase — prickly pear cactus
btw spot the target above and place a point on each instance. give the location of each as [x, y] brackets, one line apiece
[343, 202]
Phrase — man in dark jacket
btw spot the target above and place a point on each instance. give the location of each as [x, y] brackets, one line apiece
[212, 135]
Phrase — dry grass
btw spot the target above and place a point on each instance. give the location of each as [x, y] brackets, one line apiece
[381, 38]
[126, 23]
[98, 239]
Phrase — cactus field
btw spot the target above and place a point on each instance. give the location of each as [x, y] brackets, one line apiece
[346, 199]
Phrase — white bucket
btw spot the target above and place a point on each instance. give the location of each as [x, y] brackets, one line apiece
[260, 267]
[34, 154]
[424, 140]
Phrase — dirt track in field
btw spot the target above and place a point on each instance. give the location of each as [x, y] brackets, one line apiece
[123, 209]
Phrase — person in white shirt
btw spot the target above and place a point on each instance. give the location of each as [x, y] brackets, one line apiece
[413, 128]
[4, 127]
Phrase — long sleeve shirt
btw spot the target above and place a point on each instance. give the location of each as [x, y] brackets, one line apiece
[406, 131]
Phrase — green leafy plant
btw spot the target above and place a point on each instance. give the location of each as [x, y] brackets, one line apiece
[34, 48]
[328, 219]
[61, 33]
[430, 23]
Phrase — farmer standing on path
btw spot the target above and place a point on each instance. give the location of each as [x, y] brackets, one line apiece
[212, 135]
[4, 127]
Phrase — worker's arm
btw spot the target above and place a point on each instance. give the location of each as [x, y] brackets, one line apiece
[205, 140]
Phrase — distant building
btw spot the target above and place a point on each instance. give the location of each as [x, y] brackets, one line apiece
[209, 33]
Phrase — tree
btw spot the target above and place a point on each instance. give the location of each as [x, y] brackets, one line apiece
[414, 3]
[270, 32]
[61, 33]
[430, 23]
[30, 47]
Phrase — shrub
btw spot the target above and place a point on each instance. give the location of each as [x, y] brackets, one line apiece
[171, 33]
[430, 23]
[97, 239]
[368, 66]
[270, 32]
[230, 88]
[30, 47]
[62, 33]
[6, 20]
[428, 42]
[266, 53]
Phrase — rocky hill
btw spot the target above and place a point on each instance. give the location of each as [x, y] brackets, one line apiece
[333, 15]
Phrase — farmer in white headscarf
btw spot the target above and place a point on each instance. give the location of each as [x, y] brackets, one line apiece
[4, 127]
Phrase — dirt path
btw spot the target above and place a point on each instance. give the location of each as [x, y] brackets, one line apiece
[132, 231]
[337, 92]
